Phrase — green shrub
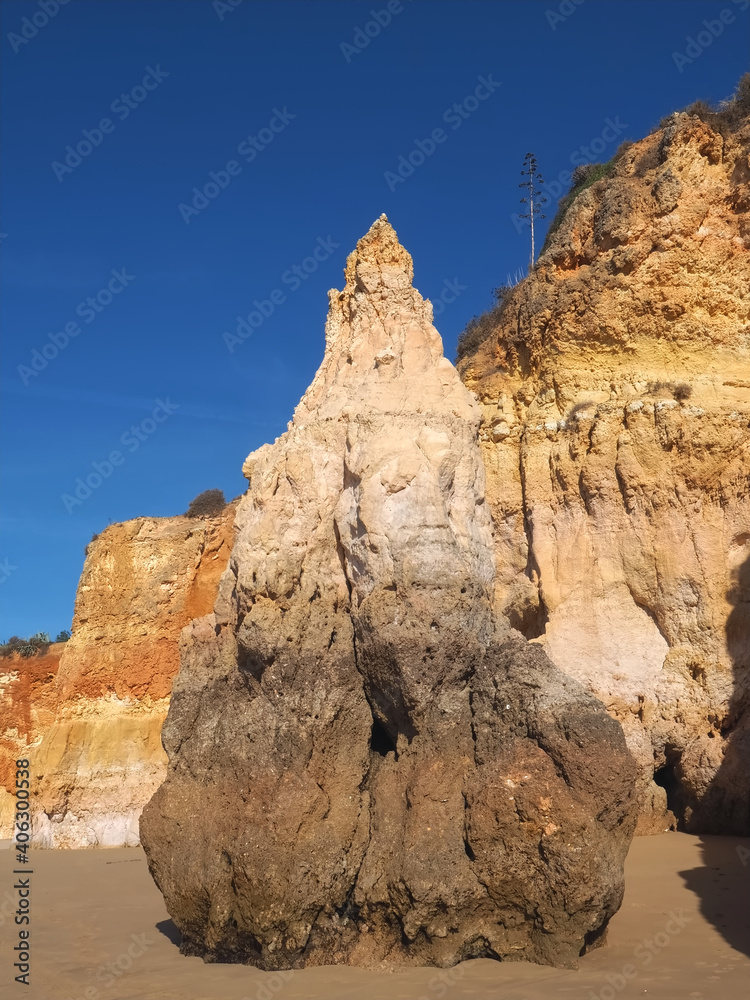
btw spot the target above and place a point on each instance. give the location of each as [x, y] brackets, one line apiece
[35, 644]
[582, 173]
[62, 636]
[206, 504]
[583, 177]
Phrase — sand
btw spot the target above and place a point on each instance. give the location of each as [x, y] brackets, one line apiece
[683, 933]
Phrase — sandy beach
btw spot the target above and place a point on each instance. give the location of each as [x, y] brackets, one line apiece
[683, 933]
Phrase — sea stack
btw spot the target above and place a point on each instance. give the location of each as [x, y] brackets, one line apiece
[367, 765]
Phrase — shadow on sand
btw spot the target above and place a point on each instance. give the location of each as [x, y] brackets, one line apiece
[723, 884]
[168, 929]
[723, 887]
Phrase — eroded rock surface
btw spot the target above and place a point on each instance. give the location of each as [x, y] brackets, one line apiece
[615, 393]
[366, 766]
[88, 714]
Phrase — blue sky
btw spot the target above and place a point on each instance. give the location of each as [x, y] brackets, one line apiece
[171, 91]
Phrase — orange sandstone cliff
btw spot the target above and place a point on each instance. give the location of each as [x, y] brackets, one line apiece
[615, 386]
[28, 702]
[89, 714]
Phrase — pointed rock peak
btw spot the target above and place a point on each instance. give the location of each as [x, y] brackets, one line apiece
[382, 351]
[378, 250]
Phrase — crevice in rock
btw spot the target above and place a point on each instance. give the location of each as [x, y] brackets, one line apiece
[381, 741]
[584, 492]
[530, 622]
[467, 846]
[473, 724]
[666, 777]
[592, 939]
[622, 486]
[342, 561]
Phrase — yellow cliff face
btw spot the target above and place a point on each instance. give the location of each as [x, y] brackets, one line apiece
[88, 714]
[616, 398]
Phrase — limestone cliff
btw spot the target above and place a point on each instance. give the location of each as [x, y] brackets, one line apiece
[90, 719]
[366, 767]
[615, 390]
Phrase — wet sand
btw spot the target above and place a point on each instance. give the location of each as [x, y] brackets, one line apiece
[683, 933]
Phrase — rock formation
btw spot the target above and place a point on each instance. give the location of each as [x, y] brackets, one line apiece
[615, 391]
[366, 766]
[90, 720]
[614, 397]
[27, 709]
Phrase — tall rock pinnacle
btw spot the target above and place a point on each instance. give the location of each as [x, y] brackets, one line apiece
[380, 341]
[365, 767]
[376, 492]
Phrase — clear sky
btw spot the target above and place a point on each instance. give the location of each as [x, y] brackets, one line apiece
[123, 273]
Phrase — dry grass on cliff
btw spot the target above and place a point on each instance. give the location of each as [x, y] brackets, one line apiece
[725, 118]
[478, 329]
[678, 390]
[481, 328]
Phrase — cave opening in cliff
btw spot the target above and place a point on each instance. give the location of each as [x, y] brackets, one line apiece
[667, 779]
